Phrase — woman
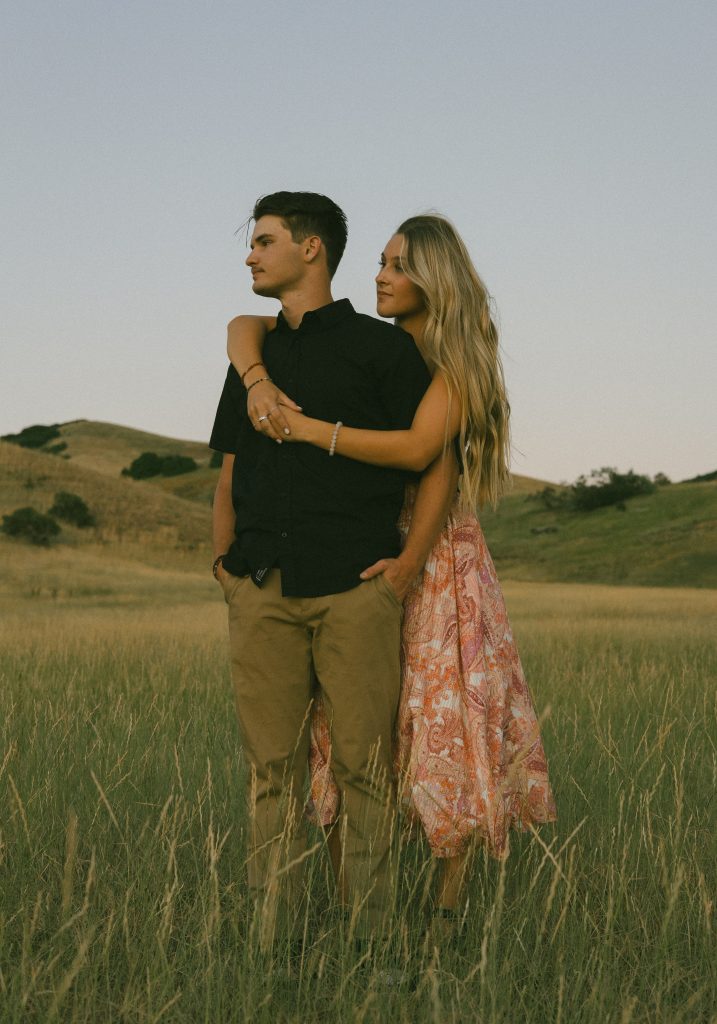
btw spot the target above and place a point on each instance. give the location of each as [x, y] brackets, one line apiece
[469, 757]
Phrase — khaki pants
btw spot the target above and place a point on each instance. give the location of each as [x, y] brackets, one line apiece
[351, 640]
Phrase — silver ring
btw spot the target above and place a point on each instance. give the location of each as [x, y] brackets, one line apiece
[262, 418]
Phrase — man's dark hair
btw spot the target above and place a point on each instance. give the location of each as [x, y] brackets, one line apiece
[308, 213]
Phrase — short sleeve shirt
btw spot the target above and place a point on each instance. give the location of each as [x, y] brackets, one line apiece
[321, 519]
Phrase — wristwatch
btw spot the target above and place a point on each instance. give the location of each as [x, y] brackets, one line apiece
[216, 564]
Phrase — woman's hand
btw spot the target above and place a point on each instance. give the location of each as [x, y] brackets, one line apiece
[267, 406]
[298, 425]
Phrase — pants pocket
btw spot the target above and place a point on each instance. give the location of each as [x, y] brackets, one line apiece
[383, 584]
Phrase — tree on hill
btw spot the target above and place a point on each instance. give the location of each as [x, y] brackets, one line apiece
[29, 524]
[703, 478]
[145, 465]
[607, 487]
[149, 464]
[33, 437]
[57, 449]
[601, 487]
[72, 509]
[175, 465]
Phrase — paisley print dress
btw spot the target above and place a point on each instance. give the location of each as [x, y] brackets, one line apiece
[468, 754]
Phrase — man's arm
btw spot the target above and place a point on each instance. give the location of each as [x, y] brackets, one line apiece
[223, 515]
[434, 498]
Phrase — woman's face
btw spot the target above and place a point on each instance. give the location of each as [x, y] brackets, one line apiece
[396, 295]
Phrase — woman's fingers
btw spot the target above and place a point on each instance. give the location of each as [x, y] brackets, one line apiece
[288, 402]
[278, 420]
[262, 404]
[375, 570]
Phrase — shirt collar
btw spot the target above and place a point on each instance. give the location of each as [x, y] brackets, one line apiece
[319, 319]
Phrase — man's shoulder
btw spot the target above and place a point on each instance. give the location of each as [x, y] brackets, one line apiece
[382, 330]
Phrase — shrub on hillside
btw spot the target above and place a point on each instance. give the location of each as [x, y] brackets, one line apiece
[29, 524]
[72, 509]
[150, 464]
[607, 487]
[175, 465]
[553, 497]
[33, 437]
[703, 478]
[145, 465]
[56, 449]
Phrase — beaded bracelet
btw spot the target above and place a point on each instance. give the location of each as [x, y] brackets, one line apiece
[252, 367]
[334, 437]
[259, 380]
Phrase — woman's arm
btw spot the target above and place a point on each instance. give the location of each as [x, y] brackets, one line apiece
[434, 498]
[437, 421]
[245, 345]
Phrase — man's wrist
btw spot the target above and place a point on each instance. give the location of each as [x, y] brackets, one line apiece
[216, 563]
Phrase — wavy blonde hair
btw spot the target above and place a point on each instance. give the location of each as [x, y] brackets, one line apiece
[460, 340]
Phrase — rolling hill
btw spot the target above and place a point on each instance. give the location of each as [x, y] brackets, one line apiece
[668, 538]
[127, 511]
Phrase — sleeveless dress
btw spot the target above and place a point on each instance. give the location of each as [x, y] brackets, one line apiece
[468, 754]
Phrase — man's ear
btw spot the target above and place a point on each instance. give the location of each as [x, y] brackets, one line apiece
[312, 247]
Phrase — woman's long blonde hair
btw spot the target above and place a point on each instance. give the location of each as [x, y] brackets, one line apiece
[460, 340]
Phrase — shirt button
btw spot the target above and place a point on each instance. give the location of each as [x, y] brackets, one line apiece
[285, 534]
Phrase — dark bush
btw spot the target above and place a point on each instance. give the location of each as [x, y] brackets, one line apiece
[661, 480]
[150, 464]
[215, 461]
[56, 449]
[175, 465]
[29, 524]
[145, 465]
[553, 497]
[703, 478]
[607, 487]
[33, 437]
[72, 509]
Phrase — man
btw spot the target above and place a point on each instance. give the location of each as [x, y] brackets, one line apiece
[294, 527]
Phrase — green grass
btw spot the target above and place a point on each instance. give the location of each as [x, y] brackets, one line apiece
[123, 833]
[668, 538]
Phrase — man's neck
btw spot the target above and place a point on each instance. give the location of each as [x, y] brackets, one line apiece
[295, 303]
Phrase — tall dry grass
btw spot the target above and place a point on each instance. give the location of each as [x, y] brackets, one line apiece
[123, 831]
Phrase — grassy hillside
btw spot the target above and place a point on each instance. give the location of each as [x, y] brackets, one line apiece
[108, 448]
[145, 522]
[668, 538]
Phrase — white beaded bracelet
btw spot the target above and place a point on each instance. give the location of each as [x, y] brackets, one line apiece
[334, 437]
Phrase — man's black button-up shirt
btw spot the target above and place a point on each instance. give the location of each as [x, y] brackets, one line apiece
[321, 519]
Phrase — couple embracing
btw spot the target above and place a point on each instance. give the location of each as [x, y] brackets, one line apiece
[370, 646]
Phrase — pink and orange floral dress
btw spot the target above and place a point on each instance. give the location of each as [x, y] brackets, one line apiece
[468, 754]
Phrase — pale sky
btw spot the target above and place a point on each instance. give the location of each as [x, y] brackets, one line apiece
[573, 144]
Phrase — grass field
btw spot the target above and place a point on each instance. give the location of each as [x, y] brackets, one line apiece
[123, 835]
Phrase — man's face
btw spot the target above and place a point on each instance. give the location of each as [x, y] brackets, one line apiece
[276, 260]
